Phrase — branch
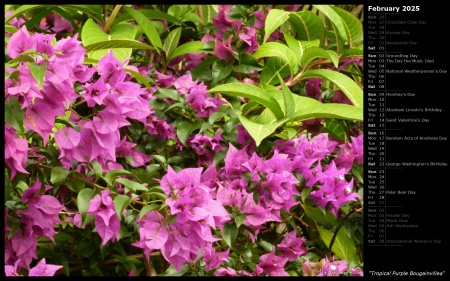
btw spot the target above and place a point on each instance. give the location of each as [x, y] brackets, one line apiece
[149, 267]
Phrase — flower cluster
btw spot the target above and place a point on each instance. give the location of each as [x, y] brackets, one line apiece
[196, 213]
[39, 219]
[106, 219]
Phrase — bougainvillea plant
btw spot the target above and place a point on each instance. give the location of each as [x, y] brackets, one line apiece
[195, 140]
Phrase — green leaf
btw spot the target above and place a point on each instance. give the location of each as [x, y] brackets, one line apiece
[353, 26]
[307, 108]
[192, 17]
[37, 17]
[289, 105]
[335, 18]
[305, 194]
[152, 14]
[38, 71]
[167, 93]
[274, 19]
[171, 42]
[146, 25]
[353, 92]
[110, 176]
[120, 203]
[76, 184]
[141, 78]
[287, 134]
[11, 29]
[230, 232]
[184, 129]
[260, 131]
[21, 10]
[98, 170]
[358, 172]
[147, 209]
[343, 246]
[172, 271]
[208, 13]
[350, 227]
[189, 47]
[94, 11]
[316, 52]
[335, 129]
[294, 45]
[92, 34]
[215, 116]
[272, 68]
[275, 49]
[240, 218]
[220, 71]
[244, 68]
[308, 26]
[118, 43]
[14, 115]
[58, 174]
[131, 185]
[83, 200]
[266, 245]
[251, 92]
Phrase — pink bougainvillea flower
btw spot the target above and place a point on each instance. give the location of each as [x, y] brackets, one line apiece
[19, 43]
[26, 88]
[334, 268]
[24, 246]
[40, 117]
[67, 138]
[357, 272]
[132, 273]
[60, 24]
[222, 50]
[184, 84]
[214, 259]
[292, 8]
[249, 37]
[260, 19]
[291, 246]
[43, 43]
[106, 219]
[207, 37]
[223, 22]
[16, 151]
[173, 181]
[69, 50]
[325, 194]
[96, 92]
[43, 269]
[12, 270]
[272, 265]
[340, 97]
[83, 73]
[225, 271]
[234, 161]
[312, 88]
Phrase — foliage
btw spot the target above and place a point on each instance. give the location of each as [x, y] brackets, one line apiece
[183, 140]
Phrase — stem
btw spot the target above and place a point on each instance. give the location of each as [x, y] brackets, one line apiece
[149, 267]
[76, 113]
[79, 103]
[336, 232]
[111, 18]
[200, 13]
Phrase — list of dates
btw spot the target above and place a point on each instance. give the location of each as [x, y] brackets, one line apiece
[406, 137]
